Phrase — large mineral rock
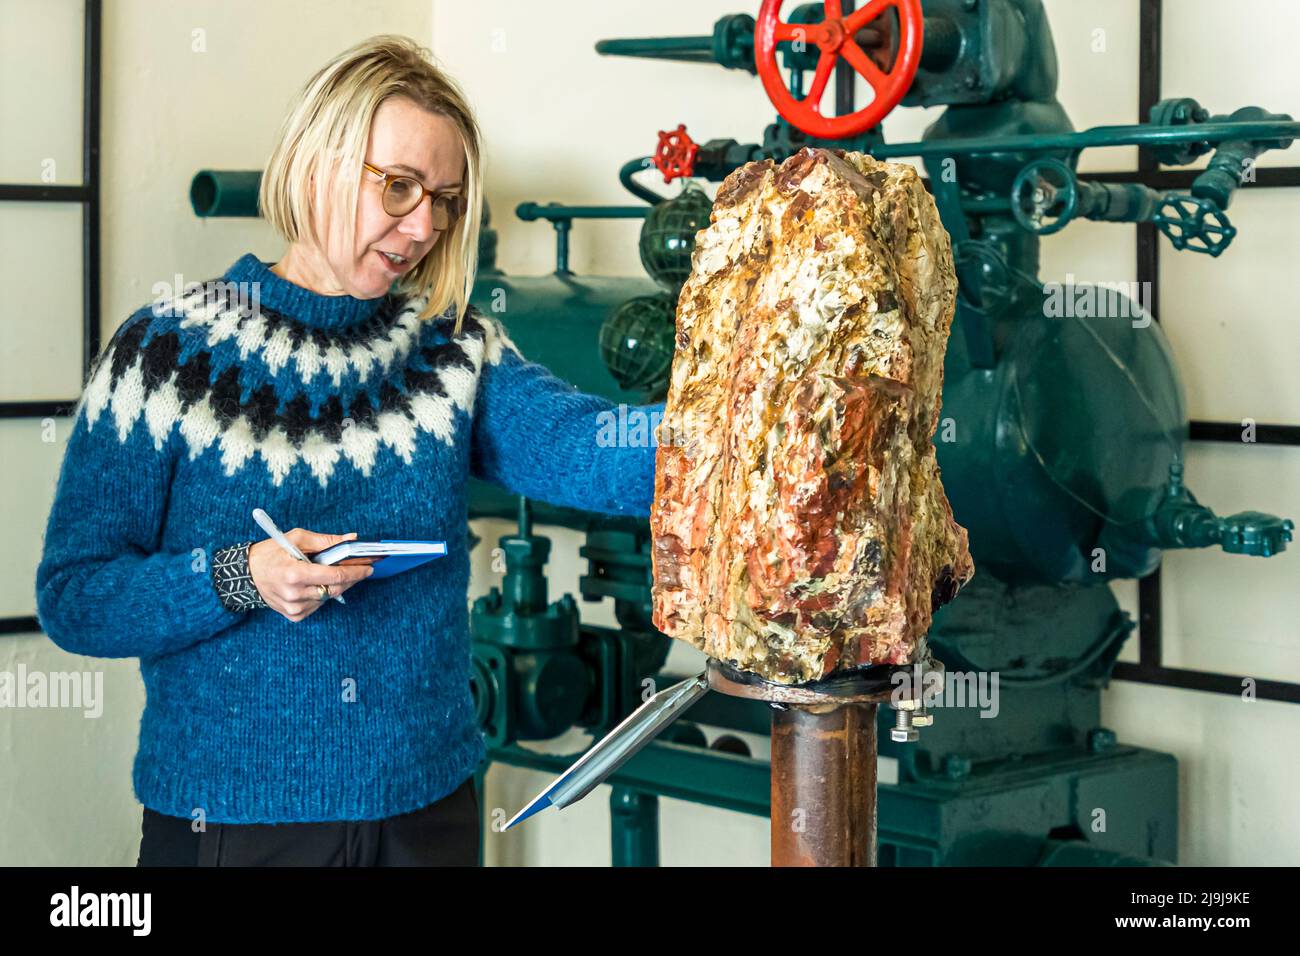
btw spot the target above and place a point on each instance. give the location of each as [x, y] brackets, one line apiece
[800, 527]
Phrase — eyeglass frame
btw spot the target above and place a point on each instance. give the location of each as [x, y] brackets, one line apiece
[454, 212]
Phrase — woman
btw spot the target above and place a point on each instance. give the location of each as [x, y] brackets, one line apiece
[346, 388]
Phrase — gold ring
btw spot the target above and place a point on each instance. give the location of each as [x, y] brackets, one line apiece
[324, 591]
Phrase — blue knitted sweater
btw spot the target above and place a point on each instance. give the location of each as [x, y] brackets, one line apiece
[334, 414]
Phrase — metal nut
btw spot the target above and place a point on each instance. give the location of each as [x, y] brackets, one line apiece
[903, 732]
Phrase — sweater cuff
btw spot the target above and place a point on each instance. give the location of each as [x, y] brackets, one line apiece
[233, 581]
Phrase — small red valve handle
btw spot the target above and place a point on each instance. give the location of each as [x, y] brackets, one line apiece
[675, 155]
[835, 37]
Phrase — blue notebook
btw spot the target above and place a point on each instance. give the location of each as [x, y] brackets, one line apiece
[398, 555]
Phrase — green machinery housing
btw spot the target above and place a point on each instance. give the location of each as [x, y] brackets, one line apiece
[1061, 444]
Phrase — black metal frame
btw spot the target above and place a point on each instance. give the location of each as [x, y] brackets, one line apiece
[1150, 668]
[88, 195]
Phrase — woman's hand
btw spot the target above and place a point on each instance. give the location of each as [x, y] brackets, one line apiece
[292, 587]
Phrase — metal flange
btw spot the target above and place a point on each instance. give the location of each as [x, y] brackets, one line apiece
[865, 685]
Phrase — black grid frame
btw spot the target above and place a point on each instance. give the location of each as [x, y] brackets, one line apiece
[88, 195]
[1150, 667]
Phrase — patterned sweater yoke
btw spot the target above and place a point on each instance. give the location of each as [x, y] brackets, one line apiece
[335, 414]
[227, 371]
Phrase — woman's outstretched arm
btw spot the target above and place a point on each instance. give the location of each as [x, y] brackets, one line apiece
[536, 435]
[103, 587]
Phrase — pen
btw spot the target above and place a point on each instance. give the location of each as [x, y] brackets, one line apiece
[264, 519]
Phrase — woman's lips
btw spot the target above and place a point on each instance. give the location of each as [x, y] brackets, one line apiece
[393, 267]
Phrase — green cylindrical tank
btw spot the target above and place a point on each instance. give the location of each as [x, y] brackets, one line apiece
[555, 320]
[1064, 445]
[608, 336]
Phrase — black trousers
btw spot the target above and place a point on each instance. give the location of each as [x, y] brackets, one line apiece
[445, 833]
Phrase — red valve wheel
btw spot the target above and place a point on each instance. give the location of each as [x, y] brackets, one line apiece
[675, 155]
[835, 37]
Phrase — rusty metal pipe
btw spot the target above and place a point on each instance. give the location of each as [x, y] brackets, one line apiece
[824, 785]
[824, 757]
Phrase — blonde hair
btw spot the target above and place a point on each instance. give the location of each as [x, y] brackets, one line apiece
[326, 133]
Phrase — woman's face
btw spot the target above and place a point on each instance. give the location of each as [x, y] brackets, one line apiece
[407, 140]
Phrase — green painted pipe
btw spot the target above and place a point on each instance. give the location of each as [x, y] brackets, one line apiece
[225, 192]
[1097, 136]
[633, 828]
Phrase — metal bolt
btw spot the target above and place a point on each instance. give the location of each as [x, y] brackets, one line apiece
[922, 718]
[903, 732]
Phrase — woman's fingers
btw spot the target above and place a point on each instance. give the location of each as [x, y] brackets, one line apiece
[309, 542]
[293, 587]
[306, 578]
[308, 573]
[337, 585]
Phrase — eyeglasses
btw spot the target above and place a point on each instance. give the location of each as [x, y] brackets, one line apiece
[402, 194]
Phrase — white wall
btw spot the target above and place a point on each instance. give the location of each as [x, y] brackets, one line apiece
[559, 121]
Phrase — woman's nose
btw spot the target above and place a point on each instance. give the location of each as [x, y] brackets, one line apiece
[418, 223]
